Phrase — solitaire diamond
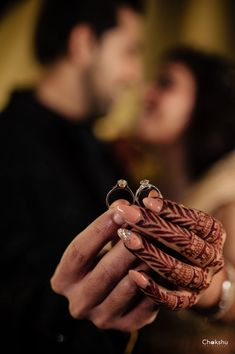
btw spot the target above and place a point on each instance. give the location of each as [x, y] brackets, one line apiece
[122, 183]
[144, 184]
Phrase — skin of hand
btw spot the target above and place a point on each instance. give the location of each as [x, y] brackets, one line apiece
[99, 288]
[183, 246]
[97, 284]
[226, 215]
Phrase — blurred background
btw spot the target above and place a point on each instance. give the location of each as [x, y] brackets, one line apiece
[205, 23]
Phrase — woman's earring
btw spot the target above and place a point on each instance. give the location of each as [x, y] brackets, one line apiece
[120, 187]
[143, 191]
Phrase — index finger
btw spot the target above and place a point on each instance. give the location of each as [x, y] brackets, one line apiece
[80, 253]
[79, 256]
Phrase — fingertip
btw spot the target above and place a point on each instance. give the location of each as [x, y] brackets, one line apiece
[126, 213]
[130, 239]
[154, 193]
[153, 204]
[119, 202]
[139, 278]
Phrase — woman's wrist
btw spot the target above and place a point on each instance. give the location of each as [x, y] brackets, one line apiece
[227, 294]
[211, 296]
[217, 300]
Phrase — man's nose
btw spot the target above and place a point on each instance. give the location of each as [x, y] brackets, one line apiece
[135, 74]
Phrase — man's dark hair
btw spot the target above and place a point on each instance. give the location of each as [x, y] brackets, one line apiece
[58, 17]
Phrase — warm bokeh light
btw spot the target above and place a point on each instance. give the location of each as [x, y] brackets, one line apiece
[204, 23]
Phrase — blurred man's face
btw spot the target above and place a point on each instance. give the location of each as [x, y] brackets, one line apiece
[116, 63]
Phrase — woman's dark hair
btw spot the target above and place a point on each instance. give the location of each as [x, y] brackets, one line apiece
[211, 133]
[58, 17]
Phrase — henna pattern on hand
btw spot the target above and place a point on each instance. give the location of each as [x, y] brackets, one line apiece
[171, 300]
[193, 234]
[187, 243]
[194, 220]
[178, 273]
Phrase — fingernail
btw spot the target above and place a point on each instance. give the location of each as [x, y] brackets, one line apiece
[117, 202]
[155, 204]
[130, 239]
[125, 213]
[153, 194]
[139, 279]
[118, 219]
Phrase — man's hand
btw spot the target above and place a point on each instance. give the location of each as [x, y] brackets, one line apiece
[97, 287]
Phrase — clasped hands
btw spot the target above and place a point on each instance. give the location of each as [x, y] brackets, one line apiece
[167, 256]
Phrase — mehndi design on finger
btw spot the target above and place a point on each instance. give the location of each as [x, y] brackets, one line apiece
[171, 300]
[194, 220]
[192, 251]
[180, 239]
[178, 273]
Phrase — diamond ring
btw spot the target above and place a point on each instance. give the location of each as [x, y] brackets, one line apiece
[143, 191]
[122, 186]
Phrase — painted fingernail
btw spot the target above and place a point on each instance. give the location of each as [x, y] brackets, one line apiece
[154, 204]
[130, 239]
[153, 194]
[118, 202]
[139, 279]
[118, 219]
[125, 213]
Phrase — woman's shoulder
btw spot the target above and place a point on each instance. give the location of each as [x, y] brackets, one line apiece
[215, 188]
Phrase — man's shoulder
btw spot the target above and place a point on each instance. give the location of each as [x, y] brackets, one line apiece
[17, 109]
[19, 132]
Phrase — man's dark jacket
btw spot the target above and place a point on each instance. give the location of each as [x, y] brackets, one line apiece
[54, 175]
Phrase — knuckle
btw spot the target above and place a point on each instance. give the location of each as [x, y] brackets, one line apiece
[77, 310]
[101, 228]
[151, 318]
[206, 279]
[129, 288]
[217, 232]
[101, 317]
[107, 273]
[222, 262]
[74, 253]
[218, 226]
[55, 285]
[101, 322]
[219, 265]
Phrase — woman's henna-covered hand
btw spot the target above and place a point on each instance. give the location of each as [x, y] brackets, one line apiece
[182, 245]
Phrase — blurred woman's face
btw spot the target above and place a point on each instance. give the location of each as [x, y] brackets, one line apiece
[168, 105]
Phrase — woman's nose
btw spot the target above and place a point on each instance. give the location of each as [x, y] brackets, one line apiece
[151, 95]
